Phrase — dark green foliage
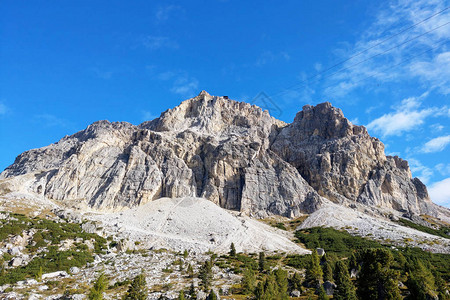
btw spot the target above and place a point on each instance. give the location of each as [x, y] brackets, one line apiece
[281, 279]
[295, 282]
[248, 281]
[49, 234]
[232, 250]
[192, 294]
[262, 262]
[321, 294]
[421, 282]
[137, 289]
[442, 231]
[327, 271]
[190, 271]
[211, 296]
[100, 285]
[334, 241]
[185, 253]
[377, 280]
[181, 296]
[298, 261]
[280, 226]
[205, 275]
[345, 289]
[314, 271]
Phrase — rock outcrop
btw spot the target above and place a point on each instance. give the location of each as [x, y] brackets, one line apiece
[231, 153]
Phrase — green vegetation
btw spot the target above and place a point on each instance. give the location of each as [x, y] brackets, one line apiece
[442, 231]
[137, 289]
[49, 234]
[100, 285]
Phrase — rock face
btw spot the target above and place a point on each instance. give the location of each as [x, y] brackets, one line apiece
[231, 153]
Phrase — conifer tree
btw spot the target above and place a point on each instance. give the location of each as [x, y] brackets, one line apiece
[100, 285]
[137, 289]
[212, 295]
[421, 282]
[376, 279]
[185, 253]
[262, 262]
[345, 289]
[39, 274]
[232, 250]
[205, 275]
[190, 271]
[192, 293]
[248, 280]
[314, 271]
[321, 294]
[282, 281]
[327, 271]
[295, 282]
[181, 296]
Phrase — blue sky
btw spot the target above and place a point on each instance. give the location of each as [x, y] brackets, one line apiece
[66, 64]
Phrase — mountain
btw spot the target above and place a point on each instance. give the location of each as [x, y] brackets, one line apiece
[231, 153]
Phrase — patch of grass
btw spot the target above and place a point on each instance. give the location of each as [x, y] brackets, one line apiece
[442, 231]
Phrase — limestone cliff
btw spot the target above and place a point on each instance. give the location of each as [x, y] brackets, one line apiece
[229, 152]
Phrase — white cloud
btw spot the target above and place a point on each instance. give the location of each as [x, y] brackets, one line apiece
[406, 116]
[164, 12]
[148, 116]
[443, 169]
[440, 192]
[383, 62]
[185, 86]
[419, 170]
[269, 57]
[50, 120]
[3, 109]
[158, 42]
[436, 144]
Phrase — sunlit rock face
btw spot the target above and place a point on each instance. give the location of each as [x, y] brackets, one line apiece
[231, 153]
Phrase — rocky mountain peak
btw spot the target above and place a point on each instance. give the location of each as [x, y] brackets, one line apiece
[231, 153]
[325, 121]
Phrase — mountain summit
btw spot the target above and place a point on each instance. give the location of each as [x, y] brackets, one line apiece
[231, 153]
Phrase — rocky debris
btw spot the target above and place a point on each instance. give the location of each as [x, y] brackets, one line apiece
[382, 230]
[195, 224]
[329, 287]
[296, 293]
[55, 275]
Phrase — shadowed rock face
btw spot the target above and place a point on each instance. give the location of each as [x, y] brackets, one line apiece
[229, 152]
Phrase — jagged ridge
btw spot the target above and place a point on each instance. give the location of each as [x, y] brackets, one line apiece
[232, 153]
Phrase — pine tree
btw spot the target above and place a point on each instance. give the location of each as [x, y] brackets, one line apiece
[212, 295]
[232, 250]
[421, 282]
[192, 293]
[137, 289]
[185, 253]
[181, 296]
[205, 275]
[190, 271]
[282, 281]
[321, 294]
[248, 280]
[295, 282]
[376, 279]
[39, 274]
[327, 271]
[262, 262]
[345, 289]
[100, 285]
[314, 271]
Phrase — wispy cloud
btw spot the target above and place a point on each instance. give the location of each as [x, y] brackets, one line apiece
[431, 69]
[165, 12]
[182, 83]
[158, 42]
[440, 192]
[269, 57]
[436, 144]
[418, 169]
[3, 109]
[406, 116]
[185, 86]
[147, 116]
[443, 169]
[103, 74]
[49, 120]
